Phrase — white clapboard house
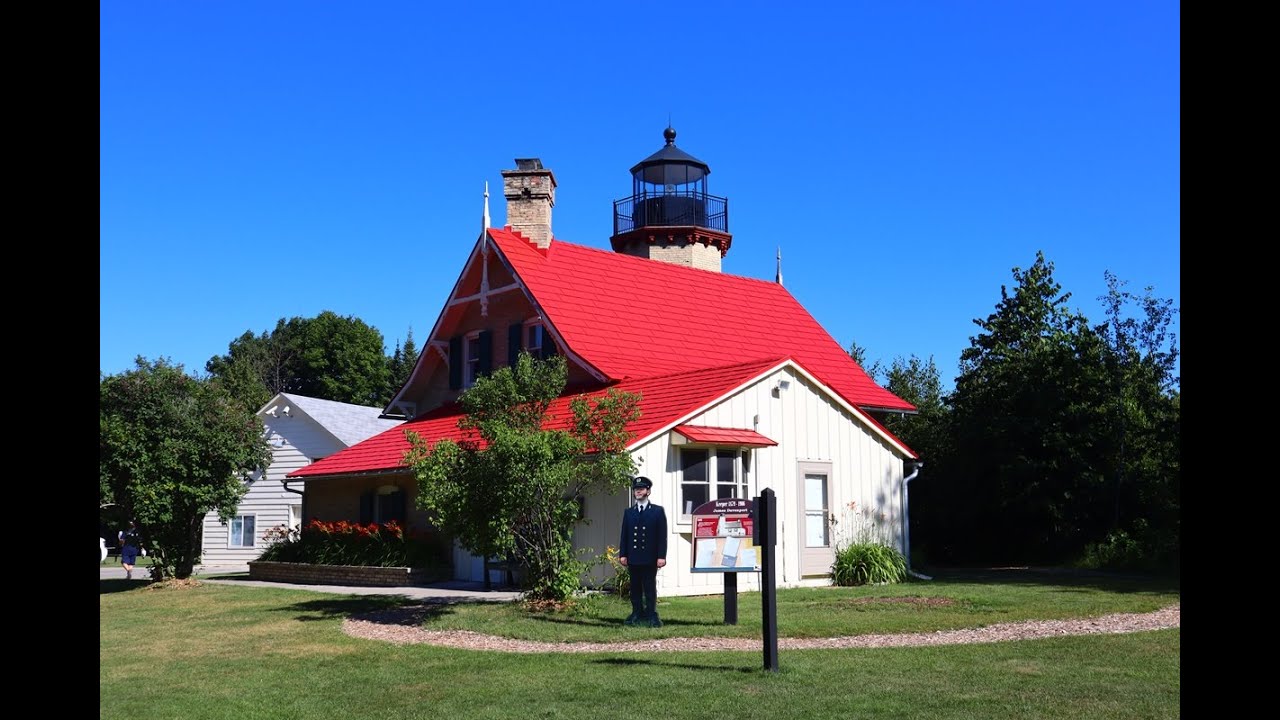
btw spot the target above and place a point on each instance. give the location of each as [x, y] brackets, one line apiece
[300, 431]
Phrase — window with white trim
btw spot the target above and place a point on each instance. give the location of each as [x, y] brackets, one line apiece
[471, 351]
[708, 474]
[242, 531]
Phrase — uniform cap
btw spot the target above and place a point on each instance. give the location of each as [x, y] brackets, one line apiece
[641, 481]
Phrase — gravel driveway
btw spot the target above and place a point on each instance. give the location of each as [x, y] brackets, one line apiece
[403, 626]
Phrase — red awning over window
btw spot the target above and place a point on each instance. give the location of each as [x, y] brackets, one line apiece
[724, 436]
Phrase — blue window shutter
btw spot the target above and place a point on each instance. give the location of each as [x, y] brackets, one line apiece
[455, 362]
[515, 340]
[486, 353]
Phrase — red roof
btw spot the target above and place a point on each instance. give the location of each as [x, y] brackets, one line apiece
[680, 336]
[664, 400]
[631, 317]
[725, 436]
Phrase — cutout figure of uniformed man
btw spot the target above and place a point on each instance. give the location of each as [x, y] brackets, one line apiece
[643, 550]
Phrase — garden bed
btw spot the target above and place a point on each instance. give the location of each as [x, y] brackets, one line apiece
[358, 575]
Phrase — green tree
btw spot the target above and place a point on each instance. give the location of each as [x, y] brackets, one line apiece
[919, 383]
[1024, 478]
[511, 489]
[859, 354]
[172, 448]
[927, 432]
[252, 371]
[1141, 442]
[329, 357]
[400, 365]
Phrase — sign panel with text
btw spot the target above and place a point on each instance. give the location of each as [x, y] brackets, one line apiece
[722, 531]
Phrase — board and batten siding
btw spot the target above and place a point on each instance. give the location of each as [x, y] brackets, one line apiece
[267, 500]
[808, 426]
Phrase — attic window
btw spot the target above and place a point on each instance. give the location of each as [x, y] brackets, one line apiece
[534, 335]
[471, 351]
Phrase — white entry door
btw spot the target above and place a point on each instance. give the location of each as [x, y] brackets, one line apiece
[816, 552]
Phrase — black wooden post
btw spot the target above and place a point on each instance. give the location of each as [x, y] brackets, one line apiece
[731, 598]
[765, 530]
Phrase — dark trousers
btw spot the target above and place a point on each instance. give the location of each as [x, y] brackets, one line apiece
[644, 591]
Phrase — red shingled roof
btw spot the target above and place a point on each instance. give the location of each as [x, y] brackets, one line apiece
[664, 400]
[631, 317]
[680, 336]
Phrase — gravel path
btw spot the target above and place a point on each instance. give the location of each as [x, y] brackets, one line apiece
[403, 626]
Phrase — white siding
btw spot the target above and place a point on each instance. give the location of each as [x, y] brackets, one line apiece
[808, 426]
[304, 441]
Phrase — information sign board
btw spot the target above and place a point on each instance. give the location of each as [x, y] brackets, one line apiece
[722, 531]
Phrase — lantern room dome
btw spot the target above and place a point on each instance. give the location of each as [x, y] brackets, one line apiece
[670, 166]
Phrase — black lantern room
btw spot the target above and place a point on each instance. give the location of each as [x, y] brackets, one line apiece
[669, 189]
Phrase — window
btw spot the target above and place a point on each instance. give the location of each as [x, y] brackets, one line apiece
[470, 357]
[471, 368]
[712, 474]
[242, 531]
[389, 506]
[382, 505]
[533, 338]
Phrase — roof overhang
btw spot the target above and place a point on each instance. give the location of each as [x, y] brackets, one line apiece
[790, 363]
[736, 437]
[294, 477]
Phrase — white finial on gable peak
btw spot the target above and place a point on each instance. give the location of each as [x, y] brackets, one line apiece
[486, 205]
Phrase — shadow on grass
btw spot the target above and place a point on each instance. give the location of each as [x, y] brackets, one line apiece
[115, 585]
[386, 609]
[632, 662]
[1056, 576]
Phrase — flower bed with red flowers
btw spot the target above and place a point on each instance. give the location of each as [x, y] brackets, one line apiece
[347, 543]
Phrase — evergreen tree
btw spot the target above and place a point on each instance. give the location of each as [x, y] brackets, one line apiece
[400, 366]
[859, 354]
[1024, 477]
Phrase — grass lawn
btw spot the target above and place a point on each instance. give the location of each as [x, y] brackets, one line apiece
[221, 651]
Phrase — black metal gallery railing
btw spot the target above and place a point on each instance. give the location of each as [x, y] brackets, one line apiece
[682, 209]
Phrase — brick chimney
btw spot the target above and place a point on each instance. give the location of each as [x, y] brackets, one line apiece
[530, 190]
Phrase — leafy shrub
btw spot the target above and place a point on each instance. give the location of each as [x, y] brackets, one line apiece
[619, 583]
[868, 563]
[1117, 552]
[347, 543]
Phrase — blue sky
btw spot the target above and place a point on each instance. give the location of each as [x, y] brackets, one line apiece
[268, 160]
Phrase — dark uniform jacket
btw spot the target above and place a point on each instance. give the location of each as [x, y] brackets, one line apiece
[644, 535]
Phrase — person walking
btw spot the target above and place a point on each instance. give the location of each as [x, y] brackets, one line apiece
[129, 549]
[643, 550]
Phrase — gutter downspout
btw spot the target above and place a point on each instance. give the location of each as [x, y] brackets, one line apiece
[906, 519]
[302, 510]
